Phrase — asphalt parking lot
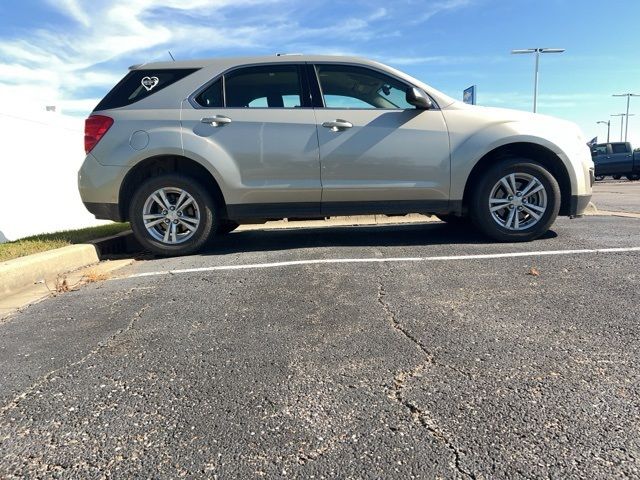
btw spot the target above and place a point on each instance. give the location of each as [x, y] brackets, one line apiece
[403, 351]
[618, 195]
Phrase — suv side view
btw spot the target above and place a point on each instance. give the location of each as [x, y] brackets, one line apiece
[187, 151]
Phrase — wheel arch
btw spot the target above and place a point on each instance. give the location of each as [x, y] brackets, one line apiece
[532, 151]
[162, 164]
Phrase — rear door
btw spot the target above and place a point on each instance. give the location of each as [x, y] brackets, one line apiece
[378, 152]
[621, 158]
[256, 127]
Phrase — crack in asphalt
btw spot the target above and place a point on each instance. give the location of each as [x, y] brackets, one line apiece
[400, 380]
[13, 403]
[304, 457]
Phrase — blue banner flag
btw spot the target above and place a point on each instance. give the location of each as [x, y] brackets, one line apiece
[469, 95]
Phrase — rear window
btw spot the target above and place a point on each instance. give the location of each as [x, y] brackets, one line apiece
[139, 84]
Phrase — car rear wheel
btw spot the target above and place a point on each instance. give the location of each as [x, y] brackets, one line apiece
[616, 177]
[633, 177]
[516, 200]
[172, 215]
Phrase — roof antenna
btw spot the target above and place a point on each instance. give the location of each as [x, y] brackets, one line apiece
[171, 55]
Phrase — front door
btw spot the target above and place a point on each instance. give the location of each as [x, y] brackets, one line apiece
[378, 152]
[258, 130]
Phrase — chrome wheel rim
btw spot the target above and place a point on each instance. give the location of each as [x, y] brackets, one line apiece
[171, 215]
[518, 201]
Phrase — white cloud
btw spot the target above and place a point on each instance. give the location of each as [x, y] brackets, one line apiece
[61, 66]
[426, 12]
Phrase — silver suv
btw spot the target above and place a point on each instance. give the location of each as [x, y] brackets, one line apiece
[187, 151]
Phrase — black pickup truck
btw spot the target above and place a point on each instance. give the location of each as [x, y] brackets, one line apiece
[616, 159]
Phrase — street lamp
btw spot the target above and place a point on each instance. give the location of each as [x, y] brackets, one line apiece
[622, 115]
[537, 51]
[608, 124]
[628, 95]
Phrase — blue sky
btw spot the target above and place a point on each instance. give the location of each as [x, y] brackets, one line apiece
[70, 52]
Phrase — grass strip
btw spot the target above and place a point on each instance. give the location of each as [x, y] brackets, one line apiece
[49, 241]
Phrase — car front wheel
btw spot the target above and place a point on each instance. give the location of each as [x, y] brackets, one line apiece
[172, 215]
[516, 200]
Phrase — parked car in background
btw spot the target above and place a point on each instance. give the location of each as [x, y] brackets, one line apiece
[186, 151]
[616, 159]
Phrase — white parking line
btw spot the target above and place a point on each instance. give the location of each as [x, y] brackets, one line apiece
[385, 260]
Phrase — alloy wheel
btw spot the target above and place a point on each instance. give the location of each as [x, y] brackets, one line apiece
[171, 215]
[518, 201]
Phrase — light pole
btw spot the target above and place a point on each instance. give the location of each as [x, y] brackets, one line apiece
[628, 95]
[608, 124]
[622, 115]
[537, 51]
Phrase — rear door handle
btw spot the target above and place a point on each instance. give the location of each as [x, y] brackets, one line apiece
[216, 121]
[337, 125]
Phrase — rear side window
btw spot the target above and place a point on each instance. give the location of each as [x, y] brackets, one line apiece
[139, 84]
[273, 86]
[619, 147]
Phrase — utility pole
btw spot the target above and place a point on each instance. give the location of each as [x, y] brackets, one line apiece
[537, 51]
[628, 95]
[608, 124]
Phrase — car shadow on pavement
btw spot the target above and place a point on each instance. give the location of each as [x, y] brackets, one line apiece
[398, 235]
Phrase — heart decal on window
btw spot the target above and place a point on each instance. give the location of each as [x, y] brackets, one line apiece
[149, 83]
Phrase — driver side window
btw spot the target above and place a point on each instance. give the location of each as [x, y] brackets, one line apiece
[346, 86]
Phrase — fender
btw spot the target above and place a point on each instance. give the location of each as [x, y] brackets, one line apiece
[467, 152]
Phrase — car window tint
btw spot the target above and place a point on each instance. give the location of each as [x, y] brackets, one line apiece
[346, 86]
[139, 84]
[341, 101]
[619, 148]
[211, 96]
[259, 103]
[273, 86]
[600, 150]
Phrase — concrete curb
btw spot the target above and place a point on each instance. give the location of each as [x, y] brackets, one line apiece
[46, 267]
[21, 272]
[118, 244]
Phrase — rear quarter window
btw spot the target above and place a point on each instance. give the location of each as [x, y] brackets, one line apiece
[140, 84]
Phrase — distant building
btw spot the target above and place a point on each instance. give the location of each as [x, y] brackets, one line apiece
[41, 157]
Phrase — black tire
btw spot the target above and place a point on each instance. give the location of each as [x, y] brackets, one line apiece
[599, 178]
[205, 204]
[633, 178]
[226, 226]
[480, 212]
[616, 177]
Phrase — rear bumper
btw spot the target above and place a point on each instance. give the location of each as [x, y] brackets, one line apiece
[578, 205]
[104, 211]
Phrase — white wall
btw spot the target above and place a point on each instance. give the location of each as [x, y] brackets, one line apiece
[40, 154]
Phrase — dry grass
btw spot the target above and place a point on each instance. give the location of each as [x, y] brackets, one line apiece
[93, 277]
[49, 241]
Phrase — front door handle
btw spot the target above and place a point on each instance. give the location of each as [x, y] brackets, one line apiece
[337, 125]
[216, 121]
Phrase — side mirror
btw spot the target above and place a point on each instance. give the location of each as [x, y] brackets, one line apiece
[419, 99]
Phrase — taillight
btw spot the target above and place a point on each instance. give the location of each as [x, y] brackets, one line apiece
[94, 129]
